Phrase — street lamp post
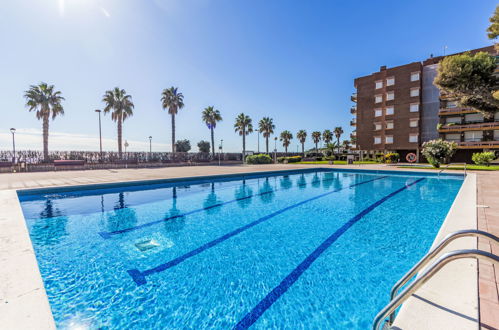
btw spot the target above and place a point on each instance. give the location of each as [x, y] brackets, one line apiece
[220, 150]
[126, 155]
[150, 148]
[275, 149]
[13, 131]
[258, 142]
[100, 135]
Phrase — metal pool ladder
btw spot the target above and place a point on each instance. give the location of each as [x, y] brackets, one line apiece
[397, 300]
[446, 167]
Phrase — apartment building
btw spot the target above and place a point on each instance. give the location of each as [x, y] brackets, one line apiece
[398, 109]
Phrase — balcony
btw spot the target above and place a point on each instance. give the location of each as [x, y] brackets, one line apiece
[353, 134]
[478, 145]
[353, 97]
[455, 111]
[469, 127]
[353, 110]
[353, 122]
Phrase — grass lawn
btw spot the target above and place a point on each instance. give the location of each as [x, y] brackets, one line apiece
[336, 162]
[469, 167]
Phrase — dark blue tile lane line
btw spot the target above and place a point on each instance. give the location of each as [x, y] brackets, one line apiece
[107, 234]
[250, 318]
[140, 277]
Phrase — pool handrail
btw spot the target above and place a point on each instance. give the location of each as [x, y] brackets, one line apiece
[435, 251]
[446, 167]
[426, 275]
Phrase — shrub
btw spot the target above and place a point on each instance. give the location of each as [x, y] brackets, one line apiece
[204, 146]
[392, 157]
[318, 159]
[438, 151]
[182, 146]
[281, 159]
[294, 159]
[483, 158]
[259, 159]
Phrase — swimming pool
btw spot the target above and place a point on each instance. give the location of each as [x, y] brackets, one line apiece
[303, 249]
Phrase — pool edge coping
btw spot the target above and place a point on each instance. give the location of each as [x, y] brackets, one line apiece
[38, 313]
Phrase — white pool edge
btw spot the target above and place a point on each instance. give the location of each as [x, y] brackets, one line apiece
[449, 300]
[23, 301]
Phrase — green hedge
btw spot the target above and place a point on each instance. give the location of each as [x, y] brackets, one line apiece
[483, 158]
[258, 159]
[293, 159]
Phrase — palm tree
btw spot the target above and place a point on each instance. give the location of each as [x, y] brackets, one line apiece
[286, 138]
[327, 136]
[316, 136]
[46, 102]
[243, 126]
[266, 126]
[302, 136]
[120, 104]
[211, 116]
[172, 100]
[337, 133]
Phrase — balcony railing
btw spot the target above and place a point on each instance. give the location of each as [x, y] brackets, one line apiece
[469, 127]
[353, 109]
[353, 122]
[478, 145]
[354, 133]
[353, 97]
[456, 111]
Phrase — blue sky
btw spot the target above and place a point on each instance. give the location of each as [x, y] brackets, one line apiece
[294, 61]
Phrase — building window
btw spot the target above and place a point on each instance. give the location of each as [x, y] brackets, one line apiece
[415, 76]
[379, 84]
[414, 107]
[454, 137]
[473, 118]
[473, 136]
[389, 125]
[378, 112]
[453, 120]
[496, 116]
[390, 96]
[415, 91]
[378, 98]
[413, 122]
[413, 138]
[390, 81]
[452, 104]
[389, 111]
[377, 140]
[389, 139]
[496, 135]
[377, 126]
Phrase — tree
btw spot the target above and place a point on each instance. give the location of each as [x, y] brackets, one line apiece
[286, 138]
[327, 136]
[302, 137]
[120, 104]
[172, 100]
[316, 137]
[337, 133]
[204, 146]
[346, 144]
[243, 126]
[211, 116]
[46, 102]
[266, 126]
[470, 79]
[493, 29]
[183, 146]
[438, 151]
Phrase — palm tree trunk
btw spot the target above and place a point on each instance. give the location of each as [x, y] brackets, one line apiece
[338, 141]
[120, 132]
[303, 149]
[286, 150]
[173, 133]
[46, 138]
[212, 142]
[244, 145]
[316, 150]
[267, 144]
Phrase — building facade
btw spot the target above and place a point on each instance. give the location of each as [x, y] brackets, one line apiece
[398, 109]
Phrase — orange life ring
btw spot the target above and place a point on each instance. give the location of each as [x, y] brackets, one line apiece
[411, 157]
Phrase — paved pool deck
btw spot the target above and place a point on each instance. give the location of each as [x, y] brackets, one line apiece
[487, 194]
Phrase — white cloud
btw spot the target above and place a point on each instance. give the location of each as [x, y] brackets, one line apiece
[31, 139]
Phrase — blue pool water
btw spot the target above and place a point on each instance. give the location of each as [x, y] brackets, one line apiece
[311, 249]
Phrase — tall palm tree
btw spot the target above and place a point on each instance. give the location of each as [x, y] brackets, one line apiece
[172, 100]
[243, 126]
[337, 133]
[266, 126]
[286, 138]
[302, 137]
[327, 136]
[120, 104]
[316, 136]
[46, 102]
[211, 116]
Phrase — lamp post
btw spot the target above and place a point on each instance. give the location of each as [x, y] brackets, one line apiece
[220, 150]
[150, 148]
[13, 131]
[275, 149]
[126, 155]
[100, 135]
[258, 142]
